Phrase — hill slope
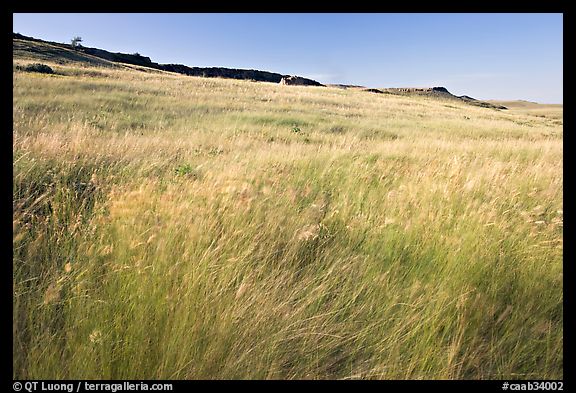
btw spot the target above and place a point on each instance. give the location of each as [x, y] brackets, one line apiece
[176, 227]
[32, 47]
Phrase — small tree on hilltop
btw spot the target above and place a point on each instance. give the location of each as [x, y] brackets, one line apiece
[76, 42]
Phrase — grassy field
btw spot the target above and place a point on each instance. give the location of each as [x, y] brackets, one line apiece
[176, 227]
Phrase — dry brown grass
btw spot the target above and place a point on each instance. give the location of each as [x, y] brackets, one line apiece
[177, 227]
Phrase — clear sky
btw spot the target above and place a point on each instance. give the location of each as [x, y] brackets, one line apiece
[486, 56]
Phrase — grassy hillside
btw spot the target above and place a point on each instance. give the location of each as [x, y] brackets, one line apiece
[177, 227]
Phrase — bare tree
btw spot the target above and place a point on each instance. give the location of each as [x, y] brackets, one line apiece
[76, 42]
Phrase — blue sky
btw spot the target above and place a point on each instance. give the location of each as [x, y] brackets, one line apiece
[486, 56]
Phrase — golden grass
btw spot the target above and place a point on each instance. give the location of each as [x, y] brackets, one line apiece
[179, 227]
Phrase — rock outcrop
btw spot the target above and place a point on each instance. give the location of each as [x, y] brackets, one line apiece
[220, 72]
[298, 81]
[417, 90]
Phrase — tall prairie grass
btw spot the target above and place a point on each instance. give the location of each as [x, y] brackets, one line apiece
[177, 227]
